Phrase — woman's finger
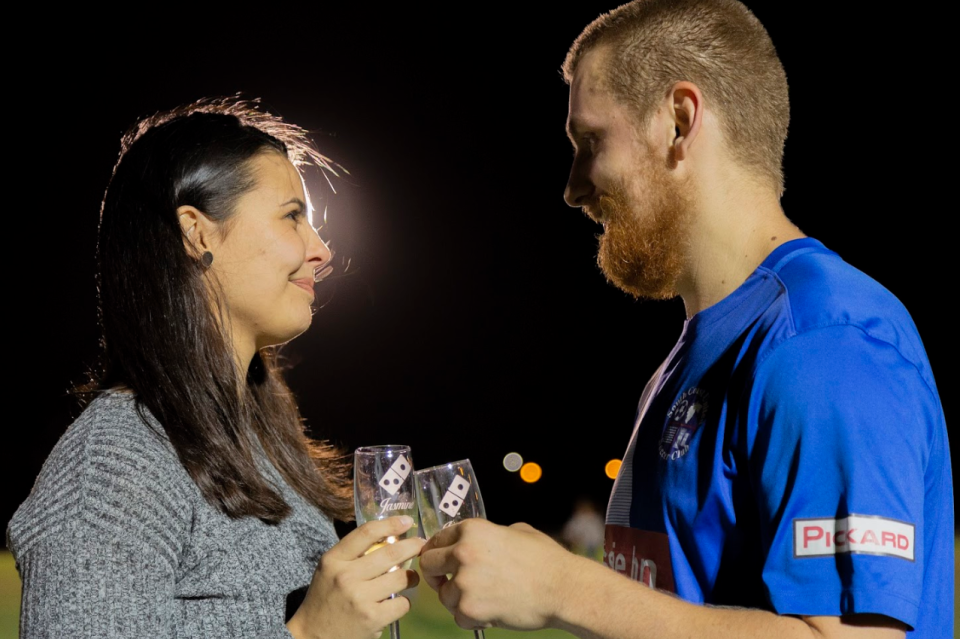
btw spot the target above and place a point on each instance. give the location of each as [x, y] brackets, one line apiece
[393, 609]
[391, 583]
[359, 541]
[383, 559]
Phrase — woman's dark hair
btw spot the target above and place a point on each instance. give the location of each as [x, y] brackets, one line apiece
[162, 337]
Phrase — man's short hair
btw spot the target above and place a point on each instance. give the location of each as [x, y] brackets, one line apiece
[720, 46]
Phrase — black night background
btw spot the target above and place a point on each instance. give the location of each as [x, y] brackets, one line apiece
[473, 320]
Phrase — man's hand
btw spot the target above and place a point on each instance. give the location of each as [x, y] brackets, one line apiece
[506, 577]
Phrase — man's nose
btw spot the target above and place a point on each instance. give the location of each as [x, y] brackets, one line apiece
[579, 188]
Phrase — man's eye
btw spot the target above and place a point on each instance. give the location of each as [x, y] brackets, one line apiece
[587, 144]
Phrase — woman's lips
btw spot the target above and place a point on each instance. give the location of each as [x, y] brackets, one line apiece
[305, 284]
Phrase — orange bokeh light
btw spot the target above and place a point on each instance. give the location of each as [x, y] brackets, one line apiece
[531, 472]
[612, 468]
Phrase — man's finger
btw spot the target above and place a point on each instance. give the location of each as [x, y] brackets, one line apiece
[446, 537]
[468, 623]
[435, 582]
[436, 564]
[449, 595]
[524, 527]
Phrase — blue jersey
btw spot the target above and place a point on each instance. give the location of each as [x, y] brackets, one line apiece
[791, 454]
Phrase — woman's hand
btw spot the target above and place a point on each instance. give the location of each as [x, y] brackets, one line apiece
[349, 595]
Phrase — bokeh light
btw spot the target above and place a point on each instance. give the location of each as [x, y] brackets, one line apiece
[512, 462]
[612, 468]
[531, 472]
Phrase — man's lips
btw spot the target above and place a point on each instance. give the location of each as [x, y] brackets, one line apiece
[595, 213]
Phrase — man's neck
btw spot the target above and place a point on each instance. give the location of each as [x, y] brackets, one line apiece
[735, 231]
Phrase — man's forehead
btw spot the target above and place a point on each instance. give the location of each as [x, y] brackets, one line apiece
[590, 98]
[589, 75]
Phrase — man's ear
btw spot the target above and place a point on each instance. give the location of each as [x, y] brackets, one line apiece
[686, 107]
[196, 227]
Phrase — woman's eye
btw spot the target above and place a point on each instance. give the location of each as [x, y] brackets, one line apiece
[294, 215]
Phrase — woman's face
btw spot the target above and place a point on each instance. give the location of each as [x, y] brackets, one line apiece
[266, 256]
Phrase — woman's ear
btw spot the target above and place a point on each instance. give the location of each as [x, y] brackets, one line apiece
[194, 225]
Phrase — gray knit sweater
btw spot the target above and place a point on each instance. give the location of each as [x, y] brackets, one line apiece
[116, 540]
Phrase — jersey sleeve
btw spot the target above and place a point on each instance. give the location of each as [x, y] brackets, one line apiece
[841, 431]
[98, 540]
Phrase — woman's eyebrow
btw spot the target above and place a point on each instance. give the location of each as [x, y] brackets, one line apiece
[297, 201]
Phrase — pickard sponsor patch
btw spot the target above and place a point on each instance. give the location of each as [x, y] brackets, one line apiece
[858, 534]
[684, 419]
[641, 555]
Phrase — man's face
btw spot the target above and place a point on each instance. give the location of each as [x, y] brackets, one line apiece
[621, 180]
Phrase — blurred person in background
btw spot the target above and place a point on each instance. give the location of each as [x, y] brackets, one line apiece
[583, 533]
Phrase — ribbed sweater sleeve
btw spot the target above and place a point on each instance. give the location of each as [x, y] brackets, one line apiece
[99, 538]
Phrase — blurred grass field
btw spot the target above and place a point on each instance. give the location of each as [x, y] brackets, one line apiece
[9, 597]
[427, 620]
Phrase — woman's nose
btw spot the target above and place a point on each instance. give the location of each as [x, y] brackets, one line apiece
[318, 253]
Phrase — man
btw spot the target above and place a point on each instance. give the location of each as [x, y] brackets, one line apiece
[790, 456]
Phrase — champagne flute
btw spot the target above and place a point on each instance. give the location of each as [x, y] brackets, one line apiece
[448, 494]
[383, 487]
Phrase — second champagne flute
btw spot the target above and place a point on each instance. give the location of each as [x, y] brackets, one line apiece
[447, 494]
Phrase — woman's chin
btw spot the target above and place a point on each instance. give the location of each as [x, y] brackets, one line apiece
[280, 338]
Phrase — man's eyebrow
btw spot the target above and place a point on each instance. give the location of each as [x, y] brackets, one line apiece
[577, 129]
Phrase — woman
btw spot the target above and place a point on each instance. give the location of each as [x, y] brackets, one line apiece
[186, 500]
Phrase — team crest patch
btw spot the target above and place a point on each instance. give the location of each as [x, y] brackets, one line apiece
[686, 415]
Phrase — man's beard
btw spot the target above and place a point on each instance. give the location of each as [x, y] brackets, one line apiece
[643, 245]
